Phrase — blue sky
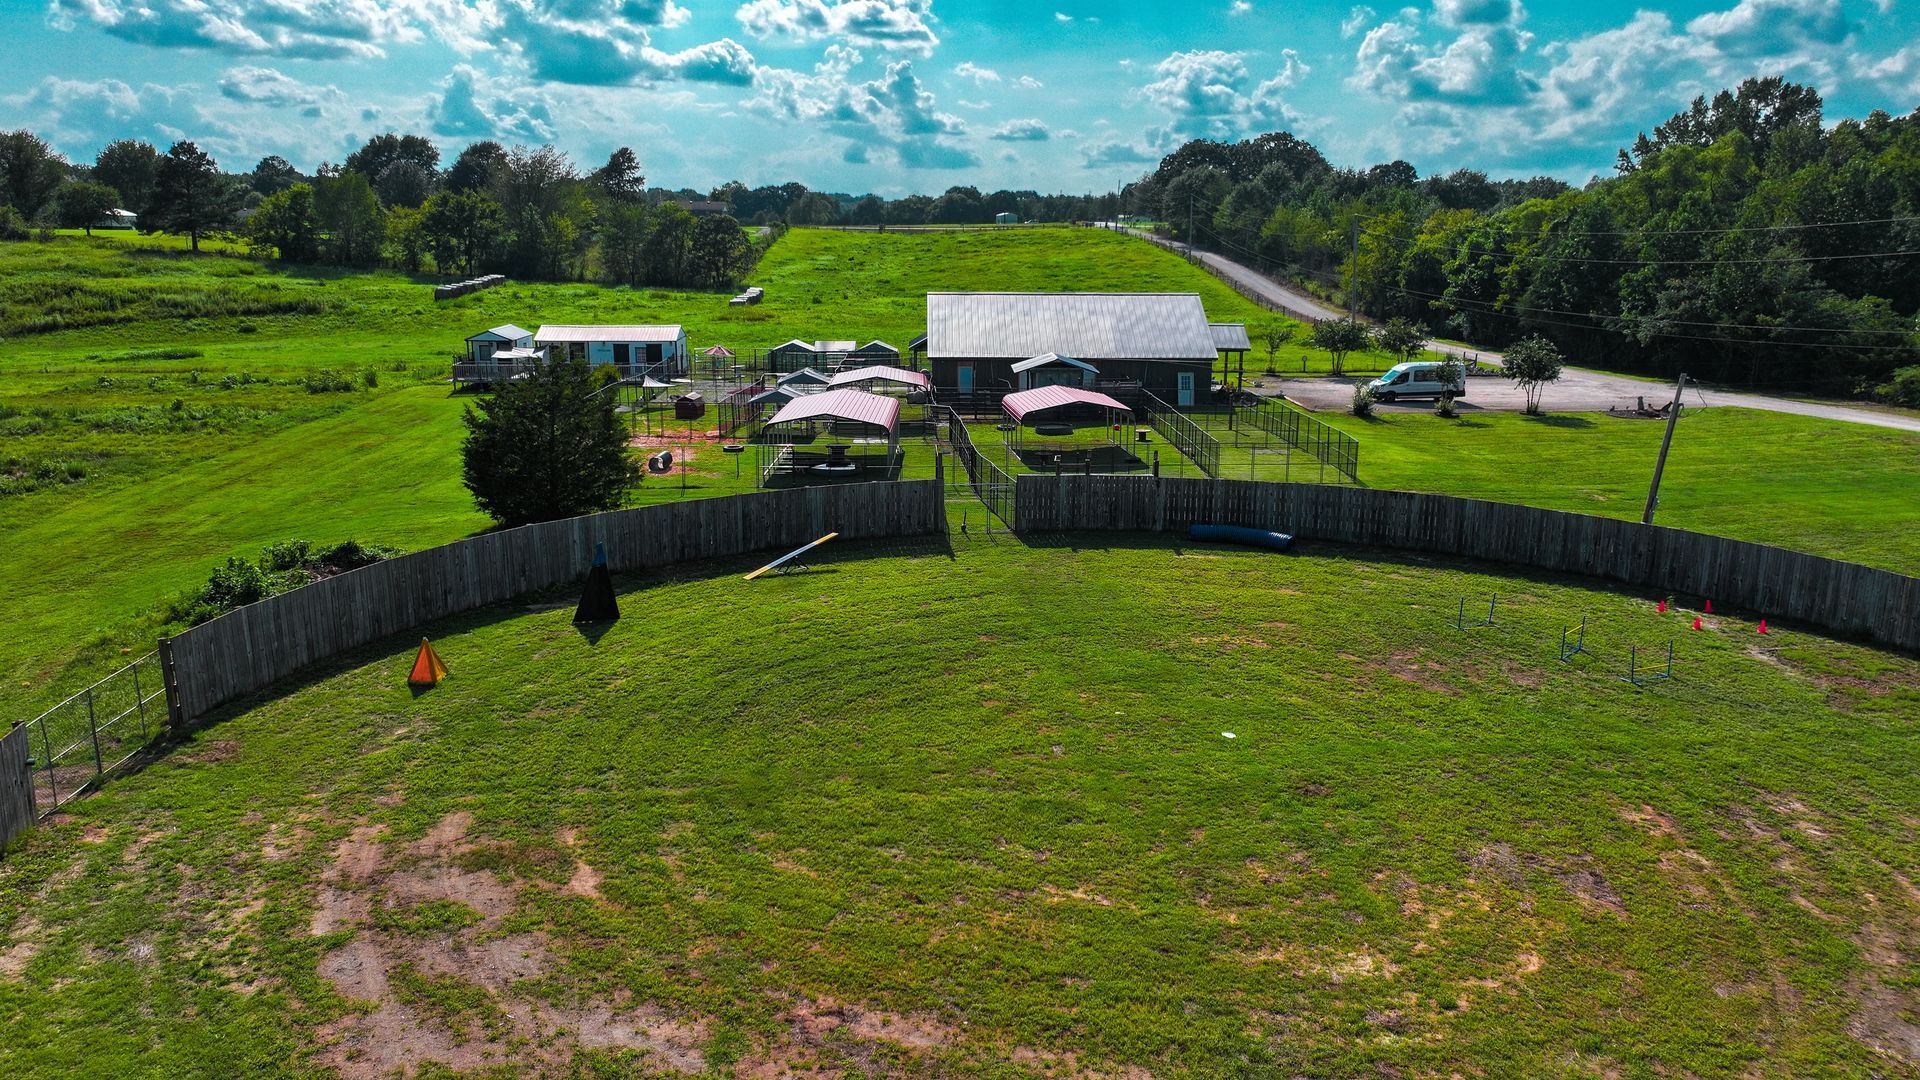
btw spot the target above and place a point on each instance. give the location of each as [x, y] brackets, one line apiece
[897, 96]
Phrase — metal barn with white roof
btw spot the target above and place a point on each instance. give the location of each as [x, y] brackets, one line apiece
[1162, 341]
[637, 349]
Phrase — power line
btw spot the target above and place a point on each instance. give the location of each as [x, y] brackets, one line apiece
[1545, 257]
[1510, 313]
[1719, 231]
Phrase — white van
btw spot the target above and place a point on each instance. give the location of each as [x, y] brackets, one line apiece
[1417, 380]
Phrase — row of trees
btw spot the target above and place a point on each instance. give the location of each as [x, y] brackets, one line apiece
[524, 212]
[1742, 241]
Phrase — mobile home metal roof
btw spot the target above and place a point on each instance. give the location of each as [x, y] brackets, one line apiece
[843, 404]
[505, 332]
[550, 335]
[1230, 336]
[1091, 326]
[1041, 398]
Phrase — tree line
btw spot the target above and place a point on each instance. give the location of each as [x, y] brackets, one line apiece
[1741, 241]
[524, 212]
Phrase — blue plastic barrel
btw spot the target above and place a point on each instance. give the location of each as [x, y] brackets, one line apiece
[1240, 534]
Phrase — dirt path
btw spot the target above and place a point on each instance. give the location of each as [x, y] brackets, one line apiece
[1579, 390]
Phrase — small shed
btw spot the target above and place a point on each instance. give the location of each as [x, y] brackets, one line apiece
[877, 352]
[1052, 369]
[840, 434]
[482, 346]
[1230, 339]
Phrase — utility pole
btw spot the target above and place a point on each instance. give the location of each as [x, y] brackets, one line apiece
[1189, 222]
[1660, 465]
[1353, 270]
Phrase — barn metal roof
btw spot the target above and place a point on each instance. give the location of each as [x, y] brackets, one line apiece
[1054, 358]
[505, 332]
[551, 334]
[843, 404]
[877, 347]
[1041, 398]
[1091, 326]
[804, 375]
[1230, 336]
[883, 373]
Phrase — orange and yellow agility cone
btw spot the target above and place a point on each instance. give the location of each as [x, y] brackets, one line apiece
[427, 668]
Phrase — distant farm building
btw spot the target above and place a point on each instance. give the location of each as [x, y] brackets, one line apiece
[117, 219]
[482, 346]
[1004, 218]
[635, 350]
[1161, 342]
[796, 354]
[704, 208]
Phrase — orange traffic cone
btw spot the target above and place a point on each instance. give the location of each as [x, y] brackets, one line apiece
[1661, 607]
[1763, 626]
[427, 668]
[1696, 623]
[1709, 608]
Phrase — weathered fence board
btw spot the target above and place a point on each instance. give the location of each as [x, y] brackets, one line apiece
[254, 646]
[1839, 596]
[16, 784]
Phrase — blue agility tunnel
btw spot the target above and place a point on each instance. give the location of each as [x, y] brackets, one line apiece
[1240, 534]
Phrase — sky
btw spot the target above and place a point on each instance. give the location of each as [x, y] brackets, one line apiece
[903, 96]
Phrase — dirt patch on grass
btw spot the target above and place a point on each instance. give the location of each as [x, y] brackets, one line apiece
[396, 963]
[1883, 1014]
[1334, 965]
[585, 880]
[23, 946]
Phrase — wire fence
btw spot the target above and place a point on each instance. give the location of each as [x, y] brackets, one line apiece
[75, 744]
[989, 481]
[1188, 437]
[1329, 445]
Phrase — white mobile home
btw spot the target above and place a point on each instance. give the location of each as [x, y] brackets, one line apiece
[482, 346]
[653, 350]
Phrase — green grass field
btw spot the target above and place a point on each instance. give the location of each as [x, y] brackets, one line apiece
[938, 812]
[168, 423]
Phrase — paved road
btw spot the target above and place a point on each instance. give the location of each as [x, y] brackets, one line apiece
[1578, 390]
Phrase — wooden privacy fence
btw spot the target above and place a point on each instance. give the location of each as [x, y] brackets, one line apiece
[1839, 596]
[248, 649]
[16, 786]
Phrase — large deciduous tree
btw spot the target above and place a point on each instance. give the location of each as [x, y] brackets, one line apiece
[82, 205]
[287, 222]
[721, 254]
[383, 151]
[349, 215]
[547, 447]
[30, 172]
[128, 167]
[478, 167]
[190, 195]
[462, 229]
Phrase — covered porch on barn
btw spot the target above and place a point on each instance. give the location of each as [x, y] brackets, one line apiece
[1069, 429]
[831, 437]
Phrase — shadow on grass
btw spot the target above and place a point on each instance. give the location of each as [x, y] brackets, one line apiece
[1565, 422]
[631, 589]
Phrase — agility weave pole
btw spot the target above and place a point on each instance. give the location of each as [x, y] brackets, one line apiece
[785, 562]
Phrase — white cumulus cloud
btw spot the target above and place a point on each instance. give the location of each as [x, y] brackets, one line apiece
[904, 25]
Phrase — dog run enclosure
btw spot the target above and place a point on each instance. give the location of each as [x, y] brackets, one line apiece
[1069, 429]
[831, 436]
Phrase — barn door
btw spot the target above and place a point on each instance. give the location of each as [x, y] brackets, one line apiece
[1186, 389]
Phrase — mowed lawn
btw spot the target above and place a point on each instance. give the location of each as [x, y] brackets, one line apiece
[975, 811]
[156, 417]
[1847, 491]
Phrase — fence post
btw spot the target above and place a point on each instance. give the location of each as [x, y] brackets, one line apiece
[140, 701]
[170, 682]
[93, 729]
